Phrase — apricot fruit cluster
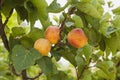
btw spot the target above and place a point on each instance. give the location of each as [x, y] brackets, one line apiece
[43, 45]
[75, 37]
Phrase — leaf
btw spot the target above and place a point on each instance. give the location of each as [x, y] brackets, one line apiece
[55, 54]
[80, 62]
[32, 12]
[116, 21]
[87, 75]
[13, 42]
[41, 6]
[93, 22]
[104, 24]
[113, 42]
[55, 7]
[93, 36]
[26, 42]
[108, 68]
[18, 31]
[69, 54]
[23, 58]
[101, 74]
[46, 65]
[7, 6]
[78, 21]
[35, 34]
[116, 11]
[22, 12]
[85, 0]
[87, 51]
[88, 9]
[59, 76]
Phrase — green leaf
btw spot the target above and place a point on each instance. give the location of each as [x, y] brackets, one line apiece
[55, 7]
[69, 54]
[18, 2]
[93, 22]
[116, 21]
[23, 58]
[7, 6]
[116, 11]
[46, 65]
[87, 51]
[32, 12]
[93, 36]
[80, 62]
[108, 68]
[41, 6]
[22, 12]
[87, 75]
[85, 0]
[59, 76]
[113, 42]
[78, 21]
[13, 42]
[35, 34]
[88, 9]
[104, 24]
[26, 42]
[101, 74]
[56, 54]
[18, 31]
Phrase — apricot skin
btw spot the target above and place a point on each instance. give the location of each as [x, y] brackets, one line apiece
[43, 46]
[77, 38]
[52, 33]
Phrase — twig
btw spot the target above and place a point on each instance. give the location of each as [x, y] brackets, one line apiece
[76, 70]
[63, 22]
[24, 75]
[118, 64]
[7, 18]
[85, 67]
[36, 76]
[3, 35]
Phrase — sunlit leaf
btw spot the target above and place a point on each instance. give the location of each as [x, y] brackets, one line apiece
[88, 9]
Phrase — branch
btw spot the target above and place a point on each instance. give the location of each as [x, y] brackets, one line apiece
[36, 76]
[24, 75]
[118, 64]
[85, 67]
[7, 18]
[63, 22]
[3, 35]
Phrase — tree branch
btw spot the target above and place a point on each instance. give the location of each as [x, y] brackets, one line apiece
[7, 18]
[24, 75]
[63, 22]
[3, 35]
[118, 64]
[85, 67]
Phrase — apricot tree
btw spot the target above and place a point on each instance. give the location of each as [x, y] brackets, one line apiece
[85, 35]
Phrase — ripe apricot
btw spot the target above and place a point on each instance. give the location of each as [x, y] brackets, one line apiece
[52, 33]
[77, 38]
[43, 46]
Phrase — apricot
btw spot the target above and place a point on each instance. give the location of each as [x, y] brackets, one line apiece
[52, 33]
[43, 46]
[77, 38]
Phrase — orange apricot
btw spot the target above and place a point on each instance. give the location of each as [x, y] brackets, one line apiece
[52, 33]
[43, 46]
[77, 38]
